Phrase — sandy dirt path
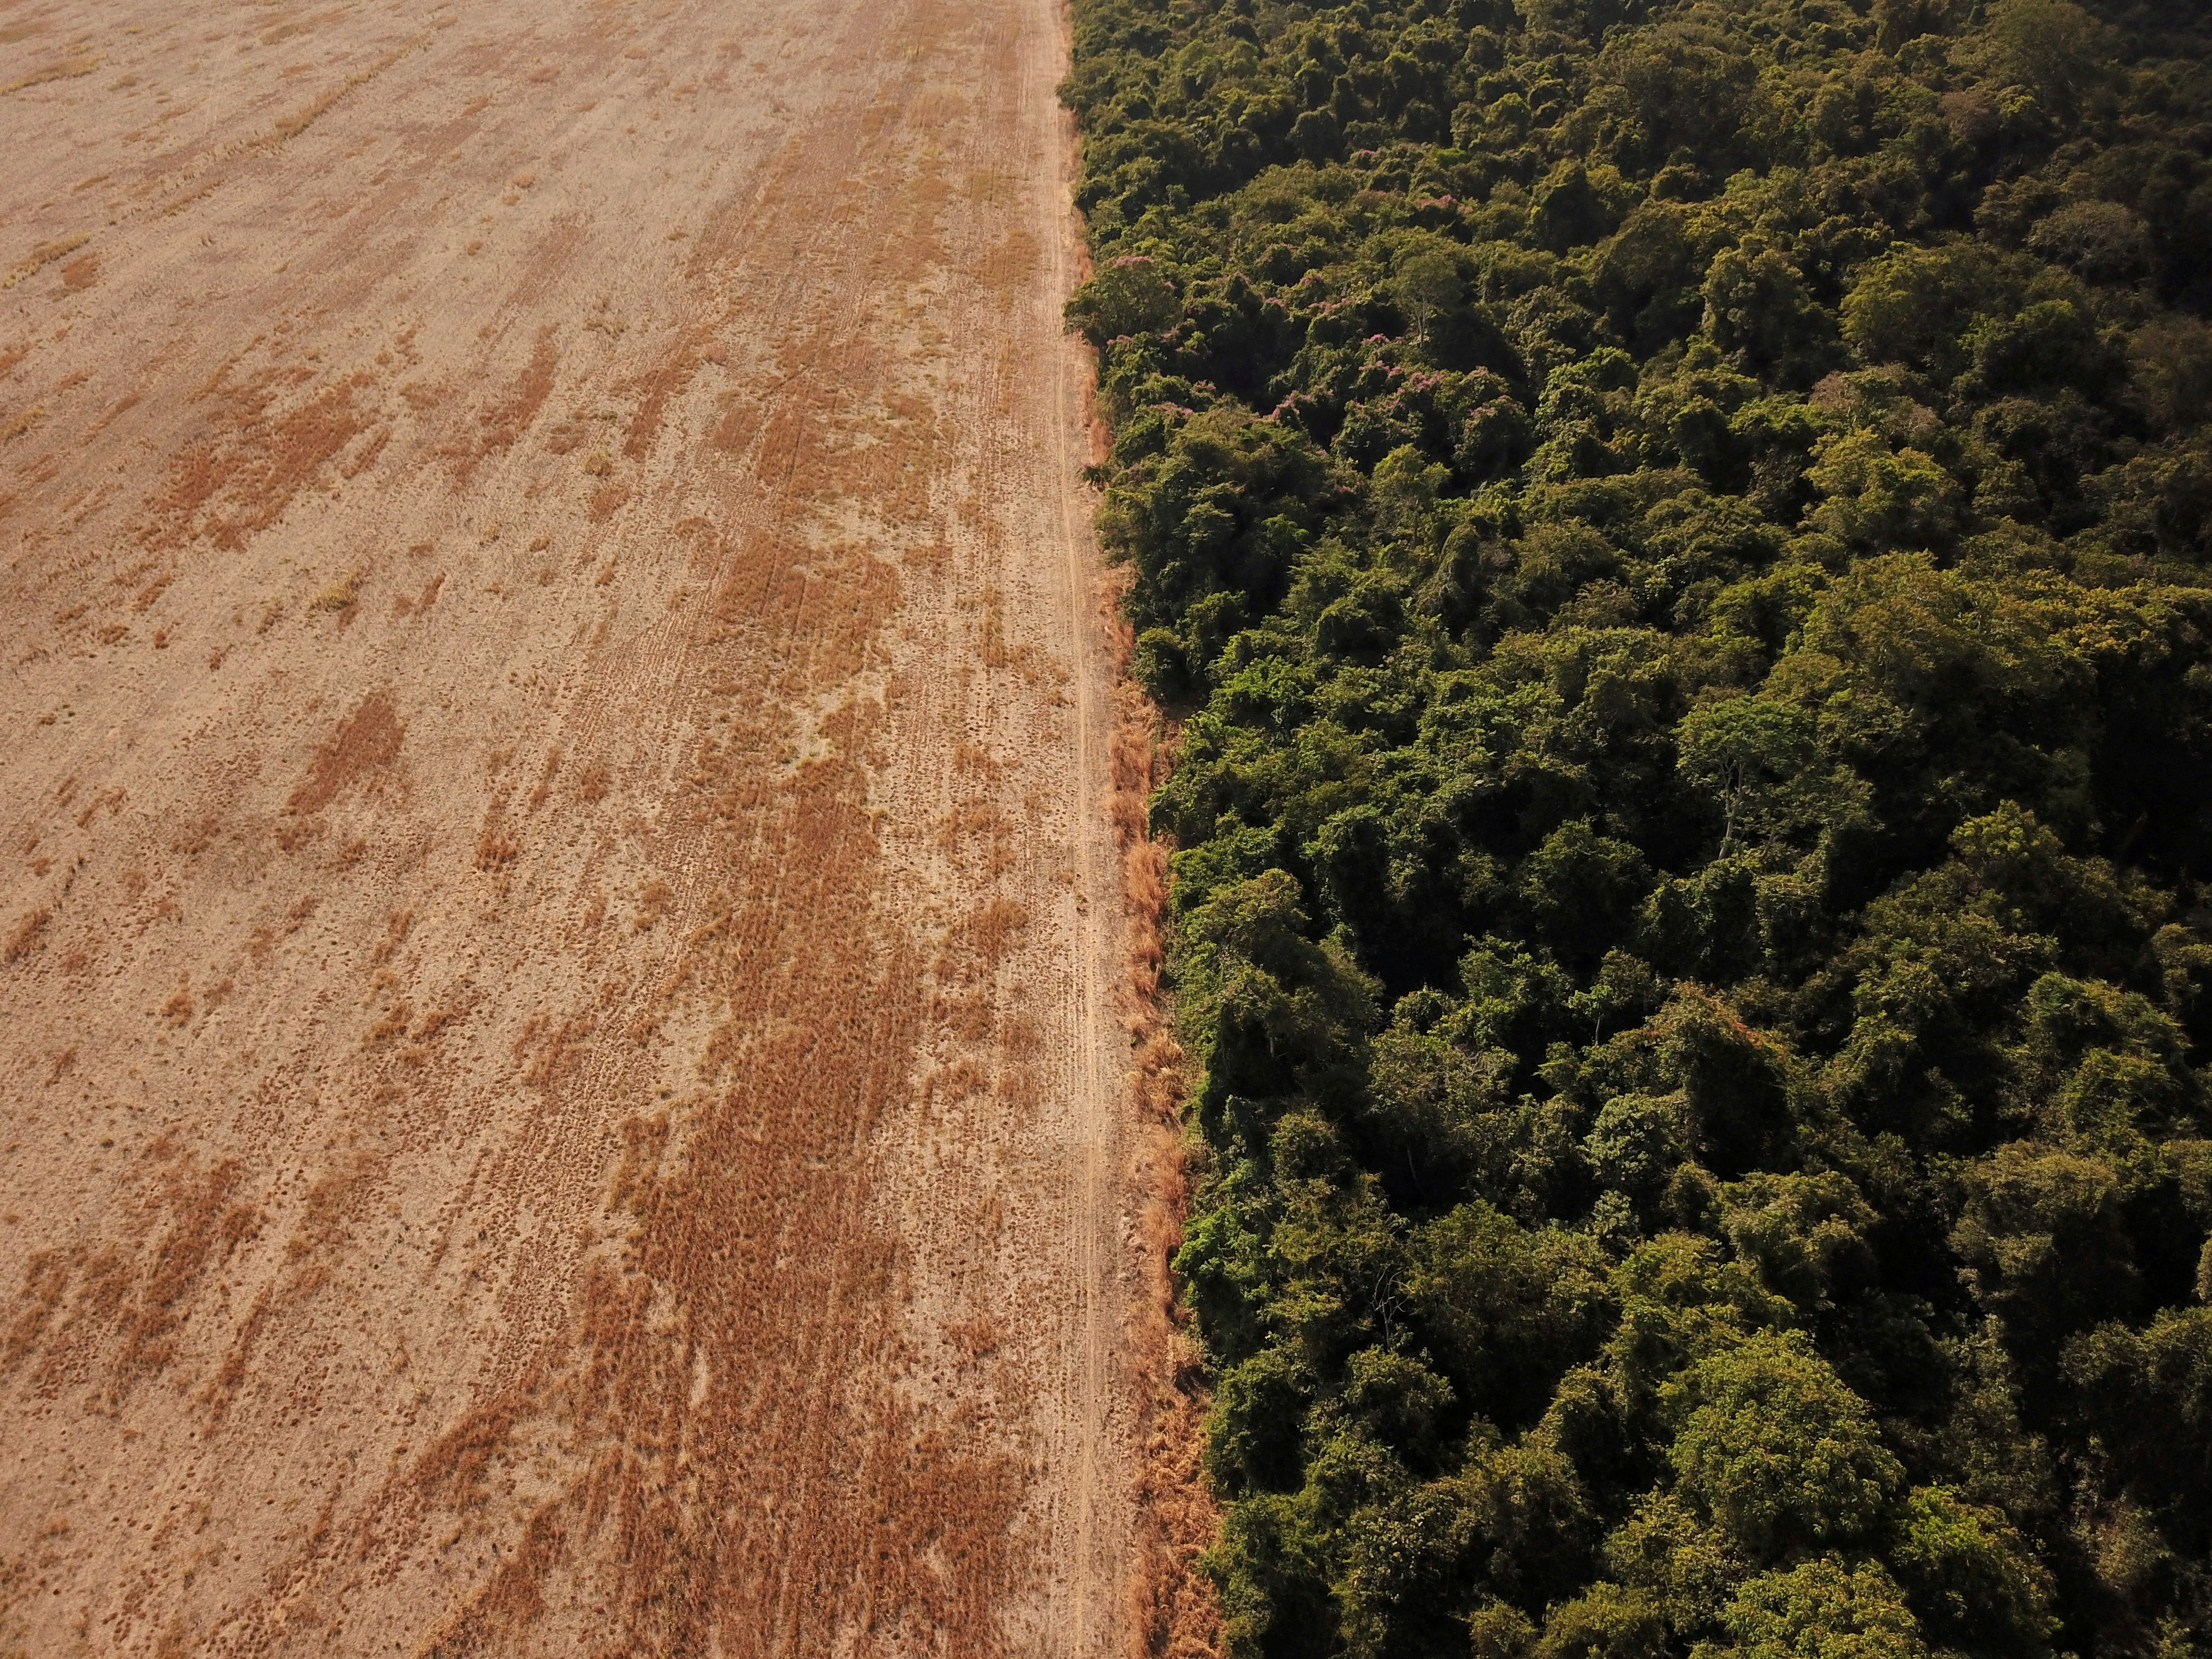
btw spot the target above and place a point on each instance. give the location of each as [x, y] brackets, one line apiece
[559, 1059]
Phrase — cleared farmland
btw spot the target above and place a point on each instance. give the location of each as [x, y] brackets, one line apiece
[563, 1069]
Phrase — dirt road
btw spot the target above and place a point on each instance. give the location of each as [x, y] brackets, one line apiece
[560, 1077]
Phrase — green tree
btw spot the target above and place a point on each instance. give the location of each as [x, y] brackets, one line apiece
[1974, 1580]
[1827, 1608]
[1778, 1451]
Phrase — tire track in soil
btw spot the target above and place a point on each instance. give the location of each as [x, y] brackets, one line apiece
[562, 922]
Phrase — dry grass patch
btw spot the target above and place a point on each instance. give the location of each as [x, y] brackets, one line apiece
[292, 27]
[24, 938]
[67, 69]
[340, 595]
[363, 745]
[496, 846]
[41, 256]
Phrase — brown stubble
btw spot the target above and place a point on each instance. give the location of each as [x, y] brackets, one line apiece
[745, 1480]
[717, 1421]
[628, 1202]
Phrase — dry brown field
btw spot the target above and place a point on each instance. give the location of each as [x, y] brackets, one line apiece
[561, 1080]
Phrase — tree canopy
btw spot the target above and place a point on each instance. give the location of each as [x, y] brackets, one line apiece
[1678, 534]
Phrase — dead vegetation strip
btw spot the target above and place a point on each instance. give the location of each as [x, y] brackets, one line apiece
[1175, 1610]
[1176, 1614]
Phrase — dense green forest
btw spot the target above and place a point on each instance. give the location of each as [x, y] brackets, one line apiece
[1679, 537]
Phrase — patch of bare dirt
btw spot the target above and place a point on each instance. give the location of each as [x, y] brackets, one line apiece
[568, 1066]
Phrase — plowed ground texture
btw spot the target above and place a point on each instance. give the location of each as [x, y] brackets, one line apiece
[556, 1024]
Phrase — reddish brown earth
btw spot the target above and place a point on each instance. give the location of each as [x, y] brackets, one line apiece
[562, 1083]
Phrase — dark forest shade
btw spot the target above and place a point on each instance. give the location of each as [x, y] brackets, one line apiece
[1682, 535]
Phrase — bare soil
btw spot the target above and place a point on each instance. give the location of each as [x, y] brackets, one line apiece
[561, 1074]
